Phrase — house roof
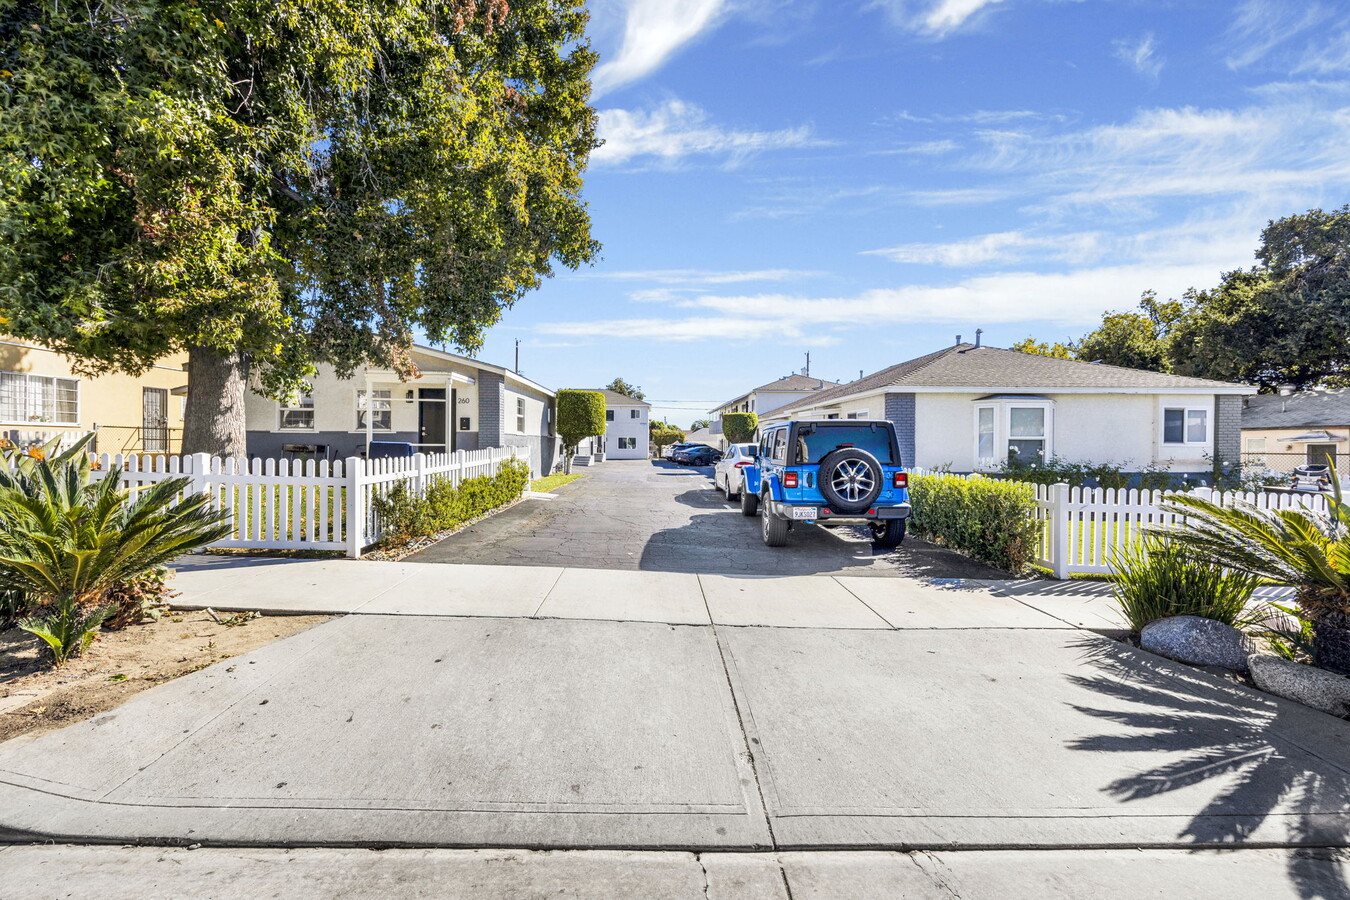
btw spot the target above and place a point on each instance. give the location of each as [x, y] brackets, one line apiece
[787, 384]
[508, 374]
[614, 398]
[1302, 409]
[993, 368]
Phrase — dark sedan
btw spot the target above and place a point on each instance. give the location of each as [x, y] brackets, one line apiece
[698, 456]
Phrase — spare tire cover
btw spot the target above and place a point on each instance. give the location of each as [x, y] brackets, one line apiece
[850, 479]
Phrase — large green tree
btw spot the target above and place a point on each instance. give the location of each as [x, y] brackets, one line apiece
[619, 386]
[274, 184]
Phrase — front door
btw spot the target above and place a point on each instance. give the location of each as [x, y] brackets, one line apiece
[431, 420]
[154, 420]
[1321, 454]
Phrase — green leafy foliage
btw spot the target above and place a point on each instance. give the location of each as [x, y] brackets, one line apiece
[145, 596]
[68, 628]
[299, 181]
[1153, 579]
[1056, 471]
[663, 435]
[581, 414]
[619, 386]
[739, 428]
[408, 517]
[994, 521]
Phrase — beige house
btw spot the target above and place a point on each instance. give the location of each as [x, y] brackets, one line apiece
[42, 396]
[1283, 431]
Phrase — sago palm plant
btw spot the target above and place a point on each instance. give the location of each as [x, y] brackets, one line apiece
[1305, 548]
[65, 539]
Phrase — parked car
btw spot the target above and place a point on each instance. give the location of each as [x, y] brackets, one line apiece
[727, 475]
[698, 455]
[835, 471]
[675, 448]
[1310, 479]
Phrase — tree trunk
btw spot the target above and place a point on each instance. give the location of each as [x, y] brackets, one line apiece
[1331, 639]
[217, 387]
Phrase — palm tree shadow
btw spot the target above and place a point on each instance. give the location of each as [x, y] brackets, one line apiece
[1269, 760]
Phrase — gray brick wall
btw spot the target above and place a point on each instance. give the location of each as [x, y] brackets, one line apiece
[1228, 428]
[900, 411]
[489, 409]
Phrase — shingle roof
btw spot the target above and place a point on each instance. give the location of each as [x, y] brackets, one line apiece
[1303, 409]
[965, 365]
[614, 398]
[787, 383]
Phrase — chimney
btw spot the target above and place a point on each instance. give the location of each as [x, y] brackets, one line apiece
[978, 332]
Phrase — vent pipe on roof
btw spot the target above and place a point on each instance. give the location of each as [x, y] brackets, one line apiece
[958, 340]
[978, 332]
[1286, 390]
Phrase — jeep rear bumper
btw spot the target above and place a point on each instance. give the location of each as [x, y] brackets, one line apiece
[805, 512]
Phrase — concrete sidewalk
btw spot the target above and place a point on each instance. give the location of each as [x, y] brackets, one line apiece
[341, 586]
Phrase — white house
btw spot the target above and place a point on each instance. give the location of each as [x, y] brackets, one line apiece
[968, 408]
[763, 400]
[454, 403]
[627, 429]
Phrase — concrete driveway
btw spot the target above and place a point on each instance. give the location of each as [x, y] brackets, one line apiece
[657, 516]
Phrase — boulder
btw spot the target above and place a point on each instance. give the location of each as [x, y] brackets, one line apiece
[1305, 684]
[1198, 641]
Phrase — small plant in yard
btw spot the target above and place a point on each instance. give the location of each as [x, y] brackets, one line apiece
[1156, 578]
[406, 517]
[144, 597]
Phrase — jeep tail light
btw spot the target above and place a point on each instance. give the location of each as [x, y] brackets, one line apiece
[901, 480]
[789, 479]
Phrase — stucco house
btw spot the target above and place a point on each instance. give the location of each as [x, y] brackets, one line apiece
[1295, 428]
[627, 429]
[455, 403]
[969, 407]
[42, 396]
[763, 400]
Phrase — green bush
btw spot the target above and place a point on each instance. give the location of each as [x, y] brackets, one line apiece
[1155, 579]
[407, 517]
[1074, 474]
[581, 414]
[739, 428]
[993, 521]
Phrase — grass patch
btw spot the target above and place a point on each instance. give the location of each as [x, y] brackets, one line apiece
[553, 482]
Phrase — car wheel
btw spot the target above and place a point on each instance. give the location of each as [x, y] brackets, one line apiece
[749, 504]
[773, 529]
[888, 533]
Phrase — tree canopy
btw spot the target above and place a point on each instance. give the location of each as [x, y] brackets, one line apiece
[275, 184]
[619, 386]
[1284, 321]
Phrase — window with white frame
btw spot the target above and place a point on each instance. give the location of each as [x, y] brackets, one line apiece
[1256, 445]
[380, 407]
[1013, 429]
[297, 414]
[520, 415]
[861, 414]
[1185, 425]
[635, 414]
[609, 415]
[28, 398]
[627, 443]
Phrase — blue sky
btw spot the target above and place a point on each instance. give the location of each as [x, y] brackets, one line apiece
[865, 179]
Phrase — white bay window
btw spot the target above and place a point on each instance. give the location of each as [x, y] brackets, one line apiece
[1013, 428]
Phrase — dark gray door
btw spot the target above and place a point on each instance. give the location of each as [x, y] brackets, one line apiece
[431, 420]
[154, 420]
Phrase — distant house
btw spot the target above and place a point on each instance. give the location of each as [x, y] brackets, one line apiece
[1282, 431]
[42, 396]
[765, 399]
[455, 403]
[627, 429]
[970, 408]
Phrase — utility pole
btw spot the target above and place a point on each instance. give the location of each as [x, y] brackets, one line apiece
[517, 356]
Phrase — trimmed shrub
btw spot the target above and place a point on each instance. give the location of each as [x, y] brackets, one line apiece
[581, 414]
[993, 521]
[445, 505]
[739, 428]
[1155, 579]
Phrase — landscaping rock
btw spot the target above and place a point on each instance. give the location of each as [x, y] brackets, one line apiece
[1306, 684]
[1198, 641]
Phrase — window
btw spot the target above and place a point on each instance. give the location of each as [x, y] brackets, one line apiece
[985, 433]
[1026, 433]
[520, 415]
[1013, 428]
[1185, 425]
[39, 398]
[298, 414]
[609, 415]
[778, 449]
[628, 443]
[815, 441]
[635, 414]
[863, 414]
[380, 407]
[1256, 445]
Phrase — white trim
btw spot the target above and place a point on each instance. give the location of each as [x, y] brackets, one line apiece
[1003, 429]
[313, 415]
[30, 423]
[1186, 411]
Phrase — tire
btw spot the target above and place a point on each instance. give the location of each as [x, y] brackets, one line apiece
[888, 533]
[773, 529]
[749, 504]
[850, 479]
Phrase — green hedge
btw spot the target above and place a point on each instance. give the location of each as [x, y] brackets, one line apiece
[408, 518]
[739, 428]
[993, 521]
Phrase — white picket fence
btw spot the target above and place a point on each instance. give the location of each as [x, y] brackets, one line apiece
[305, 504]
[1080, 527]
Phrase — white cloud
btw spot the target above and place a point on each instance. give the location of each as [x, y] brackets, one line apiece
[1000, 247]
[1261, 26]
[675, 130]
[704, 276]
[652, 31]
[935, 18]
[1141, 55]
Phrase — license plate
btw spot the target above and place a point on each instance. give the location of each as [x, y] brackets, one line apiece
[803, 512]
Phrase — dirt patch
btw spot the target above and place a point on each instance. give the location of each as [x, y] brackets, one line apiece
[36, 698]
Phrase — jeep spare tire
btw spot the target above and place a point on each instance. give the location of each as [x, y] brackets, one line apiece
[850, 479]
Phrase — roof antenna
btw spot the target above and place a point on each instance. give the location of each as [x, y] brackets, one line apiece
[978, 332]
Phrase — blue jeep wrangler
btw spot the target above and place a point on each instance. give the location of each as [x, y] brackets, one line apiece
[826, 471]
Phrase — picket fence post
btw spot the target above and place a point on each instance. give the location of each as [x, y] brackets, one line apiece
[356, 514]
[1059, 530]
[201, 467]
